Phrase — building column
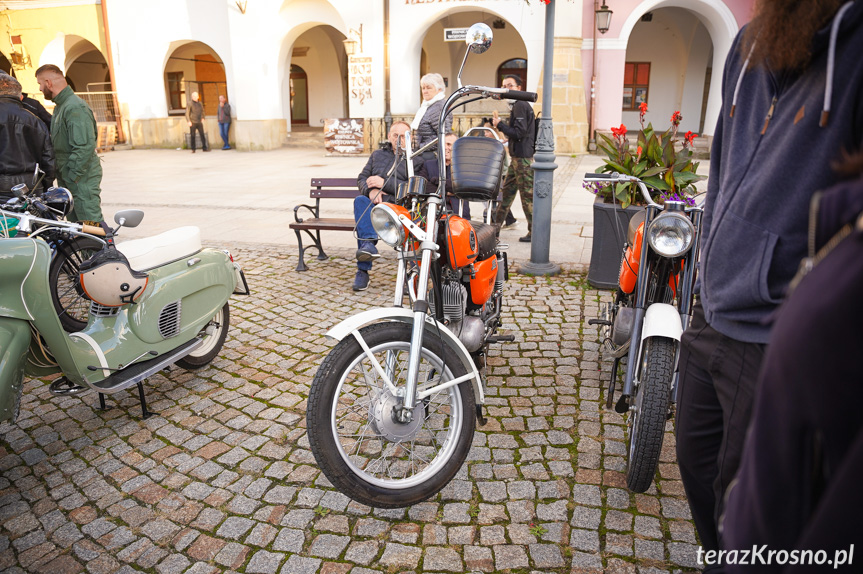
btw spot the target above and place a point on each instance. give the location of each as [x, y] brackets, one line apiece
[568, 107]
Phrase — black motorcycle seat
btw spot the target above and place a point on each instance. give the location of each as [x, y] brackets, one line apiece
[486, 239]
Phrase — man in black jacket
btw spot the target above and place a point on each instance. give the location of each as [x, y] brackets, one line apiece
[378, 181]
[36, 107]
[520, 130]
[195, 117]
[24, 141]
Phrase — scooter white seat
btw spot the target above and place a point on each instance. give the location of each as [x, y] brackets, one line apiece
[157, 250]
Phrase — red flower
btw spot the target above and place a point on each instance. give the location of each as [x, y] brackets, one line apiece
[618, 132]
[638, 150]
[689, 137]
[676, 118]
[642, 108]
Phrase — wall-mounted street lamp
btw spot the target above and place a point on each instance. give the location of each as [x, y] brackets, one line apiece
[603, 18]
[350, 42]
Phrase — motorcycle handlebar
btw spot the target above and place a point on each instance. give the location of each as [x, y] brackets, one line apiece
[93, 230]
[517, 95]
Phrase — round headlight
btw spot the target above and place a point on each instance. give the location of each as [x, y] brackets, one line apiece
[387, 225]
[671, 234]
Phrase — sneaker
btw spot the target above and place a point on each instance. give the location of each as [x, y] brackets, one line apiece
[367, 251]
[510, 223]
[525, 239]
[361, 281]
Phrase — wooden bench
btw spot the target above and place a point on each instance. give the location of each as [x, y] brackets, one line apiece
[323, 188]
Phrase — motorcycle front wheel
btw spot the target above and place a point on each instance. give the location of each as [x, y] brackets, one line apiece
[72, 306]
[647, 419]
[360, 447]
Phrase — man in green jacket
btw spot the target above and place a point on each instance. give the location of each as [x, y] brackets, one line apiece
[73, 133]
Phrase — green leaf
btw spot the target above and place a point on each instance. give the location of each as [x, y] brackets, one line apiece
[656, 183]
[612, 153]
[653, 171]
[684, 178]
[610, 142]
[669, 179]
[639, 169]
[617, 167]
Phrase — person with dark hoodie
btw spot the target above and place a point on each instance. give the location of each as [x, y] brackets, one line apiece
[798, 487]
[792, 102]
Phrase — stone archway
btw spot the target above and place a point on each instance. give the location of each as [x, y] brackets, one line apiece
[193, 66]
[319, 52]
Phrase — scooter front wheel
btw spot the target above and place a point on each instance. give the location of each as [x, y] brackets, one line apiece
[647, 419]
[362, 449]
[72, 306]
[217, 332]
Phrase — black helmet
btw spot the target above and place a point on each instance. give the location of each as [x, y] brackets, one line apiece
[59, 200]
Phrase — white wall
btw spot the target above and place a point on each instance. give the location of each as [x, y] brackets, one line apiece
[324, 66]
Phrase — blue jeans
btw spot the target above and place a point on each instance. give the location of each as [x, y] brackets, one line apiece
[365, 232]
[223, 131]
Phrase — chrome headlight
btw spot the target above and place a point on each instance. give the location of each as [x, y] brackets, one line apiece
[387, 225]
[671, 234]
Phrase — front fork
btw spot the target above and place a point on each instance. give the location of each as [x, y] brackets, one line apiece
[404, 413]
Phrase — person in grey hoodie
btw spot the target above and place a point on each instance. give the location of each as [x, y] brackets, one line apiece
[792, 103]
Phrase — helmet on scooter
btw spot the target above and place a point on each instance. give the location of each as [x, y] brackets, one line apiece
[58, 200]
[107, 278]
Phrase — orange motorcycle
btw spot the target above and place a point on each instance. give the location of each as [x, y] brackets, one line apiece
[393, 407]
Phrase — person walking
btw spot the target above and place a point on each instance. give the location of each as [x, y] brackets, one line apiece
[224, 120]
[195, 117]
[24, 141]
[521, 133]
[73, 133]
[784, 119]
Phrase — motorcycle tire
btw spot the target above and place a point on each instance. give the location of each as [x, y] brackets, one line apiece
[647, 420]
[72, 306]
[361, 450]
[212, 344]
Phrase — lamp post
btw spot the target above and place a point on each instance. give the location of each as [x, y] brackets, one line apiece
[543, 166]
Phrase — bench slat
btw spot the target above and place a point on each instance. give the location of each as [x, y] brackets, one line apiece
[335, 193]
[334, 182]
[325, 224]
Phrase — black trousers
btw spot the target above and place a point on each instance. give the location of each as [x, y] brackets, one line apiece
[200, 128]
[715, 397]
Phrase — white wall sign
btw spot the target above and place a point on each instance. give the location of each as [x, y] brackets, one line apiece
[454, 34]
[360, 69]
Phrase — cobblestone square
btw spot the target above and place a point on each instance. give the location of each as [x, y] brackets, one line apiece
[223, 480]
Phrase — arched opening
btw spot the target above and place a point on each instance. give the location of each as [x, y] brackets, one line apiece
[318, 64]
[194, 67]
[445, 57]
[515, 66]
[299, 96]
[669, 58]
[88, 71]
[6, 65]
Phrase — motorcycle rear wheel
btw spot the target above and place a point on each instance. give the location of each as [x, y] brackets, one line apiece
[647, 420]
[212, 344]
[366, 454]
[72, 306]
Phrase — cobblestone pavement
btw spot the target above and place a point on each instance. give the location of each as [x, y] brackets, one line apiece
[223, 480]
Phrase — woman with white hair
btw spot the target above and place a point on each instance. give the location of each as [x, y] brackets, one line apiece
[427, 118]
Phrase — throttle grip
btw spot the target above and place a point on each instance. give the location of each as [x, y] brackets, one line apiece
[519, 95]
[93, 230]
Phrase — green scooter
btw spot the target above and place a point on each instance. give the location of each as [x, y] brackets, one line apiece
[155, 302]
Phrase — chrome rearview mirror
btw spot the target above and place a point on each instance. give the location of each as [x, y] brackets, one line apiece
[128, 217]
[478, 38]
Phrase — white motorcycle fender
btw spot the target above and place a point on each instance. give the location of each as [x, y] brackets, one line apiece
[353, 323]
[662, 320]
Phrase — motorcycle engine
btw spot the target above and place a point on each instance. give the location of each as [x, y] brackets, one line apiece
[469, 329]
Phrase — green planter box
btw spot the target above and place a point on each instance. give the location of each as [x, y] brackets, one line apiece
[610, 224]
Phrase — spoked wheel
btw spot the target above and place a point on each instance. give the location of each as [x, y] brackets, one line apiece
[647, 419]
[361, 448]
[72, 306]
[216, 333]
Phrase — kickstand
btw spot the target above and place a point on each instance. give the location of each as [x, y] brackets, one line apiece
[144, 412]
[611, 384]
[102, 406]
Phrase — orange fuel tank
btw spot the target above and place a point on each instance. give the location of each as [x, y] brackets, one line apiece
[460, 241]
[630, 262]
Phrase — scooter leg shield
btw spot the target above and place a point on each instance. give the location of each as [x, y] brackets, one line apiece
[14, 343]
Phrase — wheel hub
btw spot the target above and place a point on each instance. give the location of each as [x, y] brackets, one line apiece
[385, 424]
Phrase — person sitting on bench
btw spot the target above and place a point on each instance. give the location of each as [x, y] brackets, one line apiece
[377, 182]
